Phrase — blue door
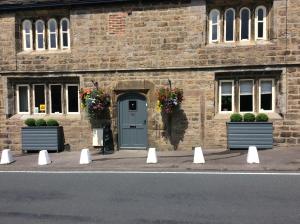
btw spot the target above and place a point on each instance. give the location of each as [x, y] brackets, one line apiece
[132, 121]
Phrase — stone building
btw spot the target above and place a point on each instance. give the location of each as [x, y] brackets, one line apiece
[227, 56]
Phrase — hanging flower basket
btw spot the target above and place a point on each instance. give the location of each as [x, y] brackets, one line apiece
[169, 99]
[94, 100]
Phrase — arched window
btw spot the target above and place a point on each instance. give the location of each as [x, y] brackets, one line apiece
[40, 35]
[260, 23]
[245, 24]
[229, 30]
[27, 35]
[64, 33]
[214, 26]
[52, 34]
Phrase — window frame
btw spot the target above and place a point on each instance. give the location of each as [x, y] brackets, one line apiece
[225, 25]
[36, 36]
[253, 96]
[49, 34]
[18, 98]
[62, 32]
[273, 96]
[232, 94]
[249, 24]
[264, 23]
[211, 25]
[61, 98]
[24, 34]
[33, 97]
[67, 99]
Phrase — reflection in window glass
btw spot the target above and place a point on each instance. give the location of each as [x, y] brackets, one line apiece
[73, 104]
[214, 25]
[52, 29]
[226, 96]
[246, 96]
[266, 95]
[39, 99]
[27, 35]
[40, 34]
[23, 99]
[245, 17]
[229, 25]
[132, 105]
[56, 99]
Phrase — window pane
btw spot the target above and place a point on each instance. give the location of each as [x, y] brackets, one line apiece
[245, 24]
[73, 98]
[64, 25]
[229, 25]
[266, 101]
[260, 15]
[56, 99]
[246, 103]
[40, 41]
[226, 104]
[214, 17]
[260, 29]
[65, 40]
[39, 99]
[28, 43]
[214, 32]
[226, 88]
[40, 27]
[23, 99]
[52, 40]
[246, 87]
[52, 26]
[132, 105]
[27, 27]
[266, 87]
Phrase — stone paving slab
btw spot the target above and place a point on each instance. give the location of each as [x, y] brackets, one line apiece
[277, 159]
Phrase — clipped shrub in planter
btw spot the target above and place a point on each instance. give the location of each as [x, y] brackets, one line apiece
[236, 118]
[52, 122]
[40, 135]
[249, 117]
[30, 122]
[262, 117]
[242, 134]
[40, 122]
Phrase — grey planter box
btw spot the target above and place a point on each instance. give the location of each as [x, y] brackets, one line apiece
[241, 135]
[42, 138]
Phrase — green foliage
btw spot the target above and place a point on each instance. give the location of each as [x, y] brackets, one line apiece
[262, 117]
[40, 122]
[236, 117]
[30, 122]
[52, 122]
[249, 117]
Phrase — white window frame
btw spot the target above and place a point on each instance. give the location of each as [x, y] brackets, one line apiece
[36, 35]
[61, 98]
[249, 24]
[33, 96]
[225, 25]
[67, 99]
[220, 96]
[273, 96]
[49, 34]
[18, 98]
[264, 23]
[25, 34]
[212, 24]
[63, 32]
[253, 97]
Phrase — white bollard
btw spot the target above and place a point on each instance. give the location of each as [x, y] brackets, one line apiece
[252, 156]
[6, 157]
[198, 155]
[44, 158]
[85, 157]
[152, 158]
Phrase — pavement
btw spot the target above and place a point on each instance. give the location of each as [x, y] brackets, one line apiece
[276, 159]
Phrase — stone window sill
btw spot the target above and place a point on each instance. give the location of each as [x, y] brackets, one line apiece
[44, 52]
[46, 116]
[239, 44]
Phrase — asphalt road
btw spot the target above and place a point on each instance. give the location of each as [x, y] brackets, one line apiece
[148, 198]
